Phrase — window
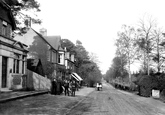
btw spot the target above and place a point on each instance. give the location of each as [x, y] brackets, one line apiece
[59, 58]
[11, 34]
[16, 63]
[23, 64]
[4, 28]
[17, 67]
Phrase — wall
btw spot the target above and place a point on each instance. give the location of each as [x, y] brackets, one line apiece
[35, 81]
[40, 82]
[15, 81]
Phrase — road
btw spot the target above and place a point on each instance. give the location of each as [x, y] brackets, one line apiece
[111, 101]
[46, 104]
[88, 101]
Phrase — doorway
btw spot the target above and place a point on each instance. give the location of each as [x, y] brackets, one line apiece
[4, 72]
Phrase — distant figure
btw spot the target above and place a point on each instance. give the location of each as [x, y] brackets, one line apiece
[66, 86]
[53, 88]
[77, 86]
[100, 86]
[58, 88]
[97, 86]
[73, 87]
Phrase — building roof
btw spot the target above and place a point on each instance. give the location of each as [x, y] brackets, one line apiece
[6, 14]
[28, 38]
[55, 42]
[46, 40]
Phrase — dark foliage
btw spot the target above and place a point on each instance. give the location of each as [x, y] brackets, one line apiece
[23, 20]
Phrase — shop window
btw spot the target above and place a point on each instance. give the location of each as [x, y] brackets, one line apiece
[16, 63]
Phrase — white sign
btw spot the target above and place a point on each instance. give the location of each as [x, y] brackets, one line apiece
[155, 93]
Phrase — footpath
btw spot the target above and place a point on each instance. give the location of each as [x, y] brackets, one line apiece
[13, 95]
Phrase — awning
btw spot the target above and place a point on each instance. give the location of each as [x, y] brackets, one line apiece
[77, 76]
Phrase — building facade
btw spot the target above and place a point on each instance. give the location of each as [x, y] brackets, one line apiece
[70, 62]
[12, 53]
[60, 70]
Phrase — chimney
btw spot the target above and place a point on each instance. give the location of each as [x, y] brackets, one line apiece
[43, 32]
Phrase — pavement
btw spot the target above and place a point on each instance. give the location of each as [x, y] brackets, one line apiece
[13, 95]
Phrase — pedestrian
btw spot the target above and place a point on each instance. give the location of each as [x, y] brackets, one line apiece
[53, 87]
[73, 85]
[66, 86]
[77, 86]
[97, 86]
[100, 86]
[58, 88]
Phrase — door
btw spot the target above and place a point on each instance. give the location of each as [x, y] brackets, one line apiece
[4, 72]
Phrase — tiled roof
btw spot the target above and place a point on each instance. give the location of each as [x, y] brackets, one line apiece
[55, 41]
[43, 38]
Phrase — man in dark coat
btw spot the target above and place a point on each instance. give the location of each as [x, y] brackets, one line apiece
[53, 88]
[66, 86]
[73, 86]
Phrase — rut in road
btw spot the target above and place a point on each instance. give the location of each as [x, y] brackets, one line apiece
[112, 102]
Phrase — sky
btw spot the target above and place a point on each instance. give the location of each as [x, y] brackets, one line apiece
[96, 22]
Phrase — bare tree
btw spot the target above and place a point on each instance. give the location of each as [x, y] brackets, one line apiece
[158, 51]
[126, 45]
[145, 39]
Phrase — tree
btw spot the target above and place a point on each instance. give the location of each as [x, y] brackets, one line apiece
[145, 39]
[21, 13]
[158, 51]
[81, 54]
[126, 46]
[94, 58]
[117, 69]
[87, 67]
[70, 46]
[39, 50]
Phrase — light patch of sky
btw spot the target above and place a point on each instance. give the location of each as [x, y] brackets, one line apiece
[96, 22]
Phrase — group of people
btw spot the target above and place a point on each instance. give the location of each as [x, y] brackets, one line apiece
[69, 87]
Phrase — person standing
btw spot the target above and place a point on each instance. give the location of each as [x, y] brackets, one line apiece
[97, 86]
[53, 88]
[66, 86]
[73, 85]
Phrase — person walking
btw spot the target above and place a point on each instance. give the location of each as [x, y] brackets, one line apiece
[66, 86]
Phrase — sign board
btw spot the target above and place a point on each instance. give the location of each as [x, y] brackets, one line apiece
[155, 93]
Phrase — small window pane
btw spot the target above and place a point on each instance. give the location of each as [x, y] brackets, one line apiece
[17, 71]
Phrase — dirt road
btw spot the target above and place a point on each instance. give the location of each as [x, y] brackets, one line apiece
[115, 102]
